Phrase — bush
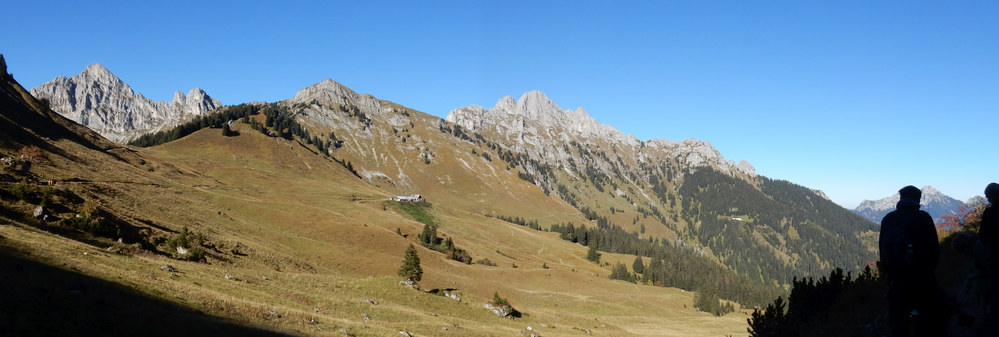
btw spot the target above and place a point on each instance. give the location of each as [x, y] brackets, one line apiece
[179, 240]
[47, 197]
[486, 262]
[497, 300]
[620, 272]
[196, 254]
[22, 191]
[90, 221]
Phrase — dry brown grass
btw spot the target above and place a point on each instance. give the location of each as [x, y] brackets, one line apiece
[297, 233]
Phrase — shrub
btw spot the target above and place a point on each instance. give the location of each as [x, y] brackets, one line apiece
[196, 254]
[22, 191]
[90, 220]
[620, 272]
[47, 197]
[497, 300]
[179, 240]
[486, 262]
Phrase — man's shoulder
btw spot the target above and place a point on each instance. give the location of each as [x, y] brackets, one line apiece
[887, 218]
[890, 216]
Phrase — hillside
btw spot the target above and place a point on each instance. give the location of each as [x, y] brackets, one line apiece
[293, 242]
[638, 186]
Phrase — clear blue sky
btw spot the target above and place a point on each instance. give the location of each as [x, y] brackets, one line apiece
[856, 98]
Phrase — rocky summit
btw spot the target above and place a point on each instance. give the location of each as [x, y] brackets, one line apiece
[535, 125]
[933, 201]
[100, 100]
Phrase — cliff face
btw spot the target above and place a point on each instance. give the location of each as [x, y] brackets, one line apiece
[101, 101]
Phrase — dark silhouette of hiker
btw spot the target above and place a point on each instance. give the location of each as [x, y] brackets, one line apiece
[989, 234]
[909, 255]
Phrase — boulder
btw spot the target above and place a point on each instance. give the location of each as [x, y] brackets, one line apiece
[500, 310]
[41, 214]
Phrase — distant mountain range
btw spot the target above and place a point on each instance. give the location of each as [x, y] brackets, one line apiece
[933, 202]
[100, 100]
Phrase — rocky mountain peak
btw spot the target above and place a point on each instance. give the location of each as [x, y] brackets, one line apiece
[97, 70]
[537, 106]
[331, 92]
[932, 201]
[536, 125]
[510, 118]
[100, 100]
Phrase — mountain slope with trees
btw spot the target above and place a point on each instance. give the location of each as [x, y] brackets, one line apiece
[293, 243]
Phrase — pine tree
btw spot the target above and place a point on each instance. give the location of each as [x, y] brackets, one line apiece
[226, 131]
[620, 272]
[428, 236]
[410, 268]
[592, 254]
[638, 266]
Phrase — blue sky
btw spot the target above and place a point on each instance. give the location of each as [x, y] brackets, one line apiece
[856, 98]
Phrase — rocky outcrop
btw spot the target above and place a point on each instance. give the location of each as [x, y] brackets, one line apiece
[500, 310]
[101, 101]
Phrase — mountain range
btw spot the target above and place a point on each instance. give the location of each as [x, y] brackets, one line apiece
[592, 167]
[933, 201]
[101, 101]
[298, 189]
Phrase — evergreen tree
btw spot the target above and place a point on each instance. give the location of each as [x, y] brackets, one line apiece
[428, 236]
[592, 254]
[226, 131]
[410, 268]
[620, 272]
[638, 266]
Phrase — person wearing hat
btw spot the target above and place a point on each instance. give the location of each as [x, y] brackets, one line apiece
[989, 234]
[909, 255]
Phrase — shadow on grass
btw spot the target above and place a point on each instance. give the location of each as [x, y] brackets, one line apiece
[41, 300]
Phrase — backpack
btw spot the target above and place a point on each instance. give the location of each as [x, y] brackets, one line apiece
[903, 252]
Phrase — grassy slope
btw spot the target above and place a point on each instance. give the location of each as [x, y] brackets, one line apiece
[325, 240]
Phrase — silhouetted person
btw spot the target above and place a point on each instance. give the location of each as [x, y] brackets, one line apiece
[989, 234]
[909, 255]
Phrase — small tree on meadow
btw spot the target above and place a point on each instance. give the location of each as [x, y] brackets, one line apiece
[410, 268]
[592, 254]
[226, 131]
[638, 266]
[620, 272]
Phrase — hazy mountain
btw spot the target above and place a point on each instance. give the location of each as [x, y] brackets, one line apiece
[932, 201]
[100, 100]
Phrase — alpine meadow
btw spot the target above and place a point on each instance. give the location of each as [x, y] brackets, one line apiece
[337, 213]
